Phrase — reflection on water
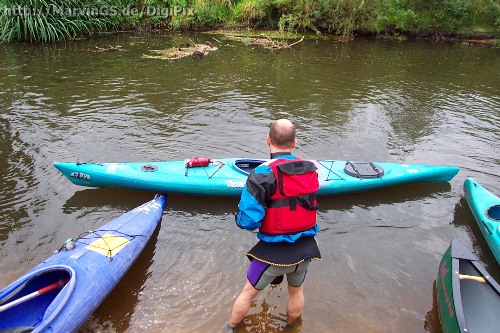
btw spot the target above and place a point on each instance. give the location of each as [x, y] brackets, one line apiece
[432, 317]
[266, 316]
[16, 178]
[413, 102]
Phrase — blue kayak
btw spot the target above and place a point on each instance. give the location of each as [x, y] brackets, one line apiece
[227, 176]
[485, 207]
[62, 292]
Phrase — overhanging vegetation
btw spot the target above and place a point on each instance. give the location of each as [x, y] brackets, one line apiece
[52, 20]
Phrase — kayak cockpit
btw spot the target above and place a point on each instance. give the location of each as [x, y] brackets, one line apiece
[246, 165]
[493, 213]
[23, 304]
[480, 299]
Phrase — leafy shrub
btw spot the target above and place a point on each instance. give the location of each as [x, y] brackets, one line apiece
[442, 15]
[210, 12]
[395, 15]
[251, 12]
[486, 13]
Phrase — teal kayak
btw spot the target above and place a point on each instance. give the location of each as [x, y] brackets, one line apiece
[227, 176]
[468, 297]
[485, 207]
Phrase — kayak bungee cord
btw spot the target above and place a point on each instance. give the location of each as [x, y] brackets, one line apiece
[196, 162]
[106, 242]
[330, 171]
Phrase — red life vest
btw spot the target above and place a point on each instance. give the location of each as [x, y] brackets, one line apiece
[292, 207]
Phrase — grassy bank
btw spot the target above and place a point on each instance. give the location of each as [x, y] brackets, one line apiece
[50, 20]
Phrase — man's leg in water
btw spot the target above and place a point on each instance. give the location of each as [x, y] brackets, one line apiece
[242, 304]
[295, 303]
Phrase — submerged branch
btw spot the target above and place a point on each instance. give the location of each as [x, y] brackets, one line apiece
[261, 40]
[174, 53]
[295, 43]
[110, 48]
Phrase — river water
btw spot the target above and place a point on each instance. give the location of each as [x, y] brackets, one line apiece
[365, 100]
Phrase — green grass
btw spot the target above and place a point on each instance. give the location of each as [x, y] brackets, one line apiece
[50, 20]
[338, 17]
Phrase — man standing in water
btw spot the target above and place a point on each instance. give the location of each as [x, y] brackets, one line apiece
[279, 198]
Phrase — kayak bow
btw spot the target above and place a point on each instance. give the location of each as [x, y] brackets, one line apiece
[485, 207]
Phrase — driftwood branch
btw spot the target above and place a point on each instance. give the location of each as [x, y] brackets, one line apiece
[263, 40]
[295, 43]
[174, 53]
[110, 48]
[268, 38]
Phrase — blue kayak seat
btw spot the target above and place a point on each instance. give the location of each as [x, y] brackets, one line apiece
[20, 329]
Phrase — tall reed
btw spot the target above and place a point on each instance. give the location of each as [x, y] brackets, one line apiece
[52, 20]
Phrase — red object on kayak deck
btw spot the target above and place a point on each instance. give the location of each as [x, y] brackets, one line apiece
[197, 162]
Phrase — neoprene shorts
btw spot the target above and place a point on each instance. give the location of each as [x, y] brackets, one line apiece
[261, 274]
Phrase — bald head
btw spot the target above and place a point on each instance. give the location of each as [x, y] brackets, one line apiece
[282, 135]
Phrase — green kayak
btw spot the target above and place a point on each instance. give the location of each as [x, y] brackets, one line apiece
[468, 297]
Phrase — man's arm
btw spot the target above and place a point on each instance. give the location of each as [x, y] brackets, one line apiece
[252, 205]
